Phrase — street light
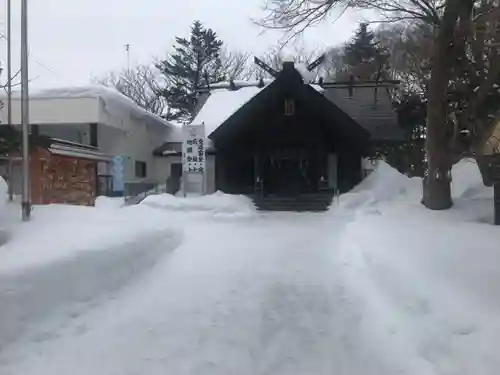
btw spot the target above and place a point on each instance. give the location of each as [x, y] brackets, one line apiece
[25, 205]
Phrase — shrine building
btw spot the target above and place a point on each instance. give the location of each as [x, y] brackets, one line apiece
[289, 143]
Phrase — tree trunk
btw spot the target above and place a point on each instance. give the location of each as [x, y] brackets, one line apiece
[437, 189]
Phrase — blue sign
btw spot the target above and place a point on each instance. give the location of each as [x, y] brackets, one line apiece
[117, 173]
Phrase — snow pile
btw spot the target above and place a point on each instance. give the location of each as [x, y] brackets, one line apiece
[217, 203]
[4, 193]
[467, 181]
[222, 104]
[430, 287]
[383, 184]
[103, 202]
[59, 231]
[400, 290]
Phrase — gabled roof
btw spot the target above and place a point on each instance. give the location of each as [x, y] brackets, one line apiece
[289, 84]
[221, 104]
[371, 107]
[368, 106]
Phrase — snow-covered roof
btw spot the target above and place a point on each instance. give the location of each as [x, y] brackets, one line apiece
[221, 104]
[369, 107]
[307, 75]
[240, 83]
[113, 100]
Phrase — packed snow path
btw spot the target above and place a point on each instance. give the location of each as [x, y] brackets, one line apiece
[258, 298]
[273, 294]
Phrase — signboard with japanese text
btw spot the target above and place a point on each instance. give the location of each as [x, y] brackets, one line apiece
[194, 149]
[193, 158]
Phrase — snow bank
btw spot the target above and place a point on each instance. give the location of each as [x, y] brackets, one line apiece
[383, 184]
[4, 193]
[386, 190]
[109, 202]
[59, 231]
[430, 286]
[429, 281]
[218, 203]
[467, 181]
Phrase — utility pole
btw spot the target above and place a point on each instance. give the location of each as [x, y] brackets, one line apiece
[9, 89]
[26, 201]
[127, 50]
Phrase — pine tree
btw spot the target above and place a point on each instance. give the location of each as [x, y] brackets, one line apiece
[195, 63]
[10, 140]
[363, 57]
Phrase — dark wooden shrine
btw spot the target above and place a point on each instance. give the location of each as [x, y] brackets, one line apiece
[279, 141]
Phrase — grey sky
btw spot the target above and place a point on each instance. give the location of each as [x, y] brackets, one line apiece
[72, 40]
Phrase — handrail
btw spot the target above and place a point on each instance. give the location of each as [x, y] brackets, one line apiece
[138, 198]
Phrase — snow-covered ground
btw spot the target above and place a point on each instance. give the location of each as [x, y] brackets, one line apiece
[378, 285]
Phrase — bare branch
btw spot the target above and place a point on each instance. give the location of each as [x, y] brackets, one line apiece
[294, 16]
[235, 64]
[142, 84]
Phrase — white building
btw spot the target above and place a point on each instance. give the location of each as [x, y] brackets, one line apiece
[101, 117]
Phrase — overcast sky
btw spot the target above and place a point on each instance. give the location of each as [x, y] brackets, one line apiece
[73, 40]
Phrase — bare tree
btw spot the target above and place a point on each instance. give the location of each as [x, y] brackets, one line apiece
[408, 48]
[14, 81]
[294, 16]
[142, 84]
[465, 61]
[236, 64]
[334, 63]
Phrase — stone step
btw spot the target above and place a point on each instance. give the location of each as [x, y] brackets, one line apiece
[306, 202]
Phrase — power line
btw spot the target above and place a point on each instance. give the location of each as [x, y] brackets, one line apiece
[47, 68]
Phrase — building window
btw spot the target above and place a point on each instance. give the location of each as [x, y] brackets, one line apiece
[140, 169]
[289, 107]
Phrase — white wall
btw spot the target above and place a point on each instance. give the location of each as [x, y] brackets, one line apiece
[130, 134]
[210, 165]
[162, 166]
[55, 111]
[163, 169]
[136, 143]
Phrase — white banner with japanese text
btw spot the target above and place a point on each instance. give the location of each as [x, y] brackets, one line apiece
[193, 158]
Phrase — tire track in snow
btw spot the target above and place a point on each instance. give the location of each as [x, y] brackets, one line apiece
[70, 286]
[254, 297]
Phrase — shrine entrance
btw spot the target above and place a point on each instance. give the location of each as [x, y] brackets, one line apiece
[289, 171]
